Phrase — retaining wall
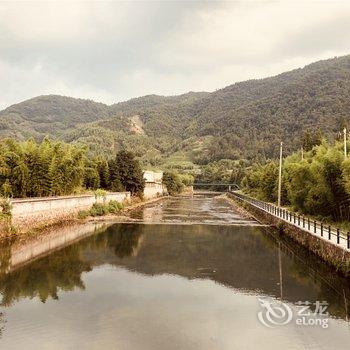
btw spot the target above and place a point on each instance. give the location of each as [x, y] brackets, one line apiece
[36, 212]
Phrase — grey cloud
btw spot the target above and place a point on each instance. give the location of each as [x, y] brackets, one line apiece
[330, 35]
[113, 51]
[99, 60]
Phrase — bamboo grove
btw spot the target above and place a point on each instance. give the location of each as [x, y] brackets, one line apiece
[316, 182]
[53, 168]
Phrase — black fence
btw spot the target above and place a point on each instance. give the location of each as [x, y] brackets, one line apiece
[331, 234]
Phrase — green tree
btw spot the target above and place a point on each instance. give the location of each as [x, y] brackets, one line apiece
[262, 180]
[172, 182]
[103, 172]
[125, 170]
[318, 185]
[91, 178]
[311, 139]
[6, 189]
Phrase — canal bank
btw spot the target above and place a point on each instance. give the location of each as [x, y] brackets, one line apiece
[194, 273]
[32, 217]
[330, 245]
[23, 216]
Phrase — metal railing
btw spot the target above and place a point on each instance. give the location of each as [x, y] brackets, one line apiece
[316, 228]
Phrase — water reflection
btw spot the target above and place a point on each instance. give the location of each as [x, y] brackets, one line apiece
[129, 268]
[45, 277]
[62, 270]
[124, 239]
[242, 258]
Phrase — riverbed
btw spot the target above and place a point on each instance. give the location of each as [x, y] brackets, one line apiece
[183, 273]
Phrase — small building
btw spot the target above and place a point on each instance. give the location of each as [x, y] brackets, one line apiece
[153, 184]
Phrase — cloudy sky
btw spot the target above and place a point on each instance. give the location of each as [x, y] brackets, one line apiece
[112, 51]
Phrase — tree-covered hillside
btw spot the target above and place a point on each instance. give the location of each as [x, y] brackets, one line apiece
[244, 120]
[163, 116]
[252, 117]
[49, 115]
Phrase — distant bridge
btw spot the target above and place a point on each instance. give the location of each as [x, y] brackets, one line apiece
[230, 186]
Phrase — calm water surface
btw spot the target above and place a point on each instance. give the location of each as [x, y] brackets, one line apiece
[187, 274]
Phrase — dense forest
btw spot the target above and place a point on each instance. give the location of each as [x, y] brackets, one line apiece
[49, 168]
[242, 121]
[316, 182]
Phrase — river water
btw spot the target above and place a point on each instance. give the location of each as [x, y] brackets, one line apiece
[186, 273]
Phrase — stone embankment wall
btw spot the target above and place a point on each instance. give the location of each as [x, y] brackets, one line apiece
[330, 253]
[36, 212]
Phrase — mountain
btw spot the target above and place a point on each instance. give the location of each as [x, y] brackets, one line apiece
[163, 115]
[50, 114]
[243, 120]
[253, 116]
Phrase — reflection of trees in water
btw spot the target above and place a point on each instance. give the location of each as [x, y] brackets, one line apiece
[61, 270]
[2, 322]
[125, 239]
[329, 287]
[43, 278]
[5, 257]
[311, 272]
[242, 258]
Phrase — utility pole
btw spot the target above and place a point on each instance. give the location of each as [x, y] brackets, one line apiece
[345, 148]
[280, 177]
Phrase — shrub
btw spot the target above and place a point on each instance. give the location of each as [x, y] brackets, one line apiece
[99, 209]
[83, 214]
[6, 216]
[113, 206]
[6, 207]
[99, 193]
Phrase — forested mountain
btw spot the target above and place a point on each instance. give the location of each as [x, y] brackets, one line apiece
[49, 115]
[243, 120]
[162, 115]
[253, 116]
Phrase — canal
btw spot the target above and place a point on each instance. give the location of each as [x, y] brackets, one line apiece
[182, 273]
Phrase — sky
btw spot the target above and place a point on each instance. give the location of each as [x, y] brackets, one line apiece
[113, 51]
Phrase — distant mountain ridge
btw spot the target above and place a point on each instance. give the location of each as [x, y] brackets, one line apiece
[246, 119]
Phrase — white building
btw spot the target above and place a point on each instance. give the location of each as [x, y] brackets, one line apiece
[153, 184]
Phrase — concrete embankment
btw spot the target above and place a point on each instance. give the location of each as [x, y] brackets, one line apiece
[334, 253]
[38, 213]
[33, 213]
[27, 248]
